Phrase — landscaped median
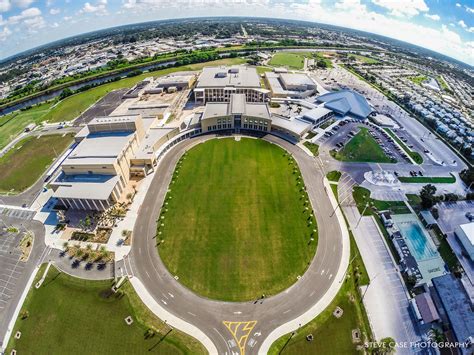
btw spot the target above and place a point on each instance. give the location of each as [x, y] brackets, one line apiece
[428, 179]
[362, 148]
[417, 158]
[313, 148]
[67, 315]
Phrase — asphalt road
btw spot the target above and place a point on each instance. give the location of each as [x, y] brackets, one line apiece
[209, 315]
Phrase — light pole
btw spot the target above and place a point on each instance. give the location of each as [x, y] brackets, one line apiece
[360, 218]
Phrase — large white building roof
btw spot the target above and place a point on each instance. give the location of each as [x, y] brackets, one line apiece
[235, 76]
[99, 147]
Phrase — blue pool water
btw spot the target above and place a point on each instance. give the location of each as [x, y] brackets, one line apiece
[419, 245]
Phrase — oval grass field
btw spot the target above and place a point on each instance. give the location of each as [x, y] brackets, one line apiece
[236, 221]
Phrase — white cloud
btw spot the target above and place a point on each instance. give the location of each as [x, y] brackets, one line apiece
[54, 11]
[5, 5]
[462, 24]
[35, 23]
[25, 14]
[22, 3]
[470, 30]
[458, 4]
[469, 9]
[4, 34]
[406, 8]
[67, 18]
[433, 17]
[98, 8]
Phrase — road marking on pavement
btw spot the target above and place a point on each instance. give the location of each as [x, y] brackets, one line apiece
[164, 301]
[240, 331]
[192, 314]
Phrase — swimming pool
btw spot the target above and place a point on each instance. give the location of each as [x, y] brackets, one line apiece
[419, 245]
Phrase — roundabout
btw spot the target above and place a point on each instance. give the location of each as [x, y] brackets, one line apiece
[239, 327]
[237, 223]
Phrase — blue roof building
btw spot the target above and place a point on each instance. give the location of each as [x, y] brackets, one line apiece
[346, 102]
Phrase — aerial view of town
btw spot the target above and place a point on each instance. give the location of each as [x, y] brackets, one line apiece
[237, 177]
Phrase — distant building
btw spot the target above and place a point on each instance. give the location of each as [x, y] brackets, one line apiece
[290, 85]
[465, 234]
[455, 309]
[346, 102]
[217, 84]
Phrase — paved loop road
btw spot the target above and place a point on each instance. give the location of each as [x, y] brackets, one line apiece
[237, 327]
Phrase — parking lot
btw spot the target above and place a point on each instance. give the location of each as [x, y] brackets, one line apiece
[11, 268]
[341, 134]
[103, 107]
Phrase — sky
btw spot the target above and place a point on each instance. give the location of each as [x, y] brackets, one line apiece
[444, 26]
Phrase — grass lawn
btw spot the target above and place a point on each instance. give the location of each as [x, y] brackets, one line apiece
[419, 79]
[334, 175]
[29, 159]
[443, 84]
[362, 196]
[314, 148]
[67, 315]
[333, 335]
[362, 148]
[364, 59]
[428, 179]
[14, 123]
[236, 225]
[288, 59]
[417, 158]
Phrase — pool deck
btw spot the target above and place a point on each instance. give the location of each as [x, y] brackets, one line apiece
[430, 266]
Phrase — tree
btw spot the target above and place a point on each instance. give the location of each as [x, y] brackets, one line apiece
[427, 195]
[467, 175]
[386, 346]
[65, 93]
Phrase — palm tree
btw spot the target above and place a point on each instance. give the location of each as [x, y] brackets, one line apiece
[66, 246]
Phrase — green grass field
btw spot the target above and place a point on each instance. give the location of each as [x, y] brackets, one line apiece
[74, 316]
[364, 59]
[288, 59]
[362, 148]
[417, 158]
[236, 225]
[418, 79]
[333, 335]
[427, 179]
[14, 123]
[29, 159]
